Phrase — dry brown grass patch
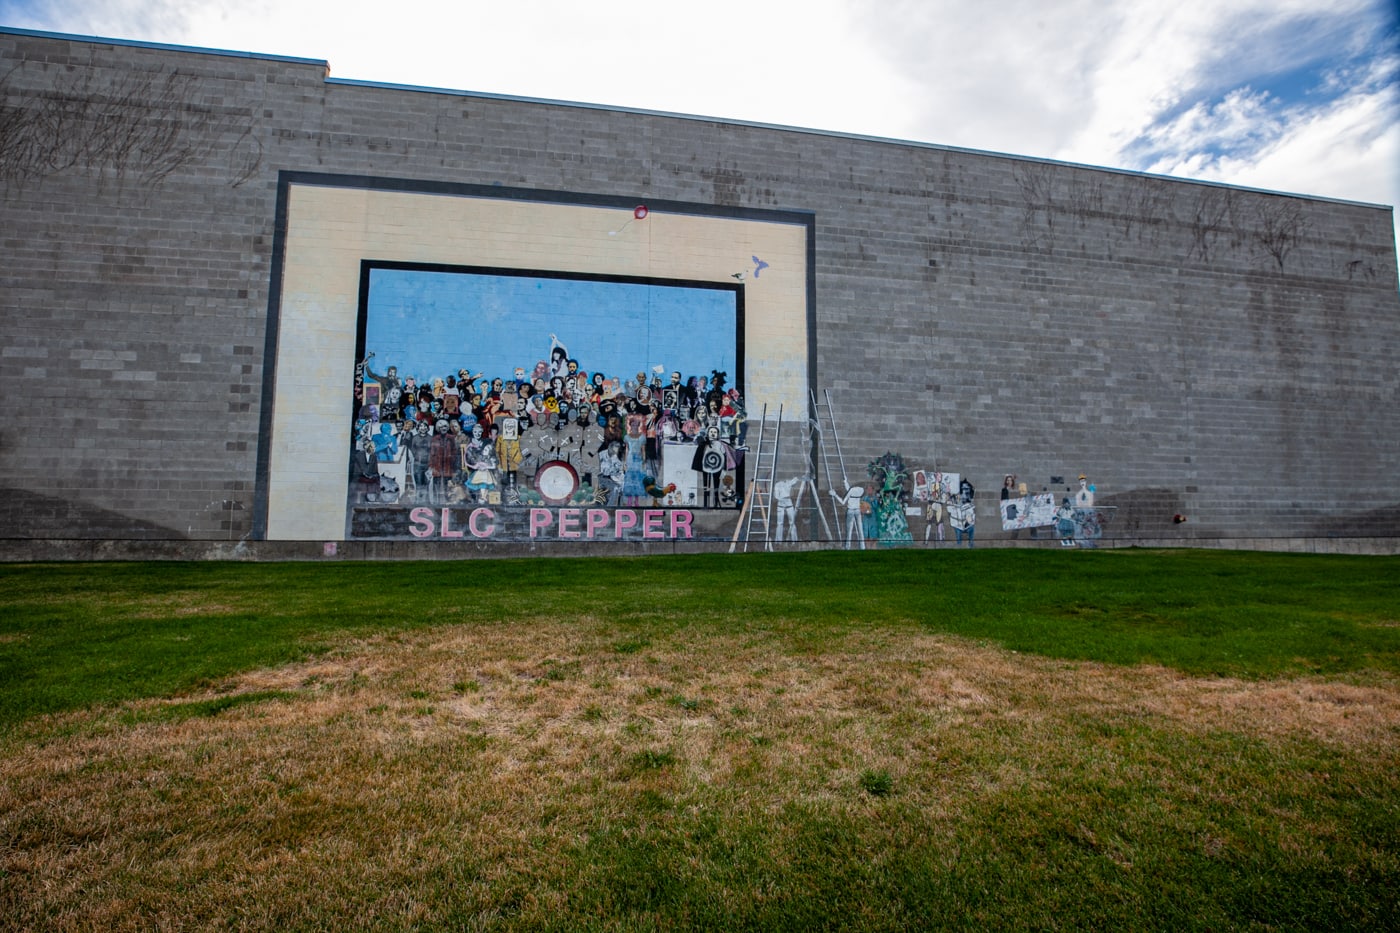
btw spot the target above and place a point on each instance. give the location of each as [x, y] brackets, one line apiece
[398, 757]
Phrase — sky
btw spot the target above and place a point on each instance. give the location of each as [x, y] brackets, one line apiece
[1299, 96]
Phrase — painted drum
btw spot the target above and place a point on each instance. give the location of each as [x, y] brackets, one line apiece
[556, 481]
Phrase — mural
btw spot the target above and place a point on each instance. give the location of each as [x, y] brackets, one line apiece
[888, 475]
[1073, 521]
[507, 404]
[938, 492]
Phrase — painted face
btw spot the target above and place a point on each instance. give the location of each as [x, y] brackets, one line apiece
[496, 385]
[393, 371]
[676, 379]
[476, 432]
[573, 367]
[392, 396]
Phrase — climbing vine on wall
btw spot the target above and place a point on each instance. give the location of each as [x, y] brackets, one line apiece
[139, 125]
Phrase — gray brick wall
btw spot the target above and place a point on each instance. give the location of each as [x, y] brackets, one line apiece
[1225, 353]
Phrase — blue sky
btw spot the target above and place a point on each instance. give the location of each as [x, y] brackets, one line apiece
[1300, 96]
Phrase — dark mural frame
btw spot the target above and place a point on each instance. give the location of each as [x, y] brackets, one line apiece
[484, 424]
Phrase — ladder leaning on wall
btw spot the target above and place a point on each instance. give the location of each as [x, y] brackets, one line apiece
[755, 517]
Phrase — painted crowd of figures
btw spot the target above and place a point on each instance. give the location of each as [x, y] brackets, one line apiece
[554, 434]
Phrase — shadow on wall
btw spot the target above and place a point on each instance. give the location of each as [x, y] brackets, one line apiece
[1145, 513]
[32, 515]
[1379, 522]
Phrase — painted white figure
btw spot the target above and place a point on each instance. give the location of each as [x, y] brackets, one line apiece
[851, 500]
[787, 506]
[1084, 499]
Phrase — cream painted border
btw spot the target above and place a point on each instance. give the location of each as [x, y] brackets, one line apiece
[330, 230]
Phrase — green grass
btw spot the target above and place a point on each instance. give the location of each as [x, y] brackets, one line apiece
[819, 741]
[72, 635]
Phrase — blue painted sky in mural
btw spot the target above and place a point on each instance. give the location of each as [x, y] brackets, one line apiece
[432, 323]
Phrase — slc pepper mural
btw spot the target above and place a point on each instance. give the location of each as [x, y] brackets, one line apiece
[501, 404]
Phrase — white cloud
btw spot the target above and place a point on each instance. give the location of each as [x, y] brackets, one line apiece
[1180, 88]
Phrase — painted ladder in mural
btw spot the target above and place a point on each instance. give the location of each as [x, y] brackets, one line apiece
[756, 513]
[775, 505]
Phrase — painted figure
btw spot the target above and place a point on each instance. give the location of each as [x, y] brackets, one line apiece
[634, 482]
[1084, 498]
[508, 453]
[390, 379]
[933, 516]
[611, 472]
[962, 515]
[442, 463]
[709, 462]
[420, 449]
[886, 519]
[852, 500]
[786, 506]
[558, 357]
[479, 461]
[386, 444]
[1008, 492]
[1064, 523]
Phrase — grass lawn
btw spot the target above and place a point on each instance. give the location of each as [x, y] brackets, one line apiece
[876, 741]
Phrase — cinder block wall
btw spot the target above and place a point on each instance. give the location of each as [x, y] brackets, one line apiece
[1222, 353]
